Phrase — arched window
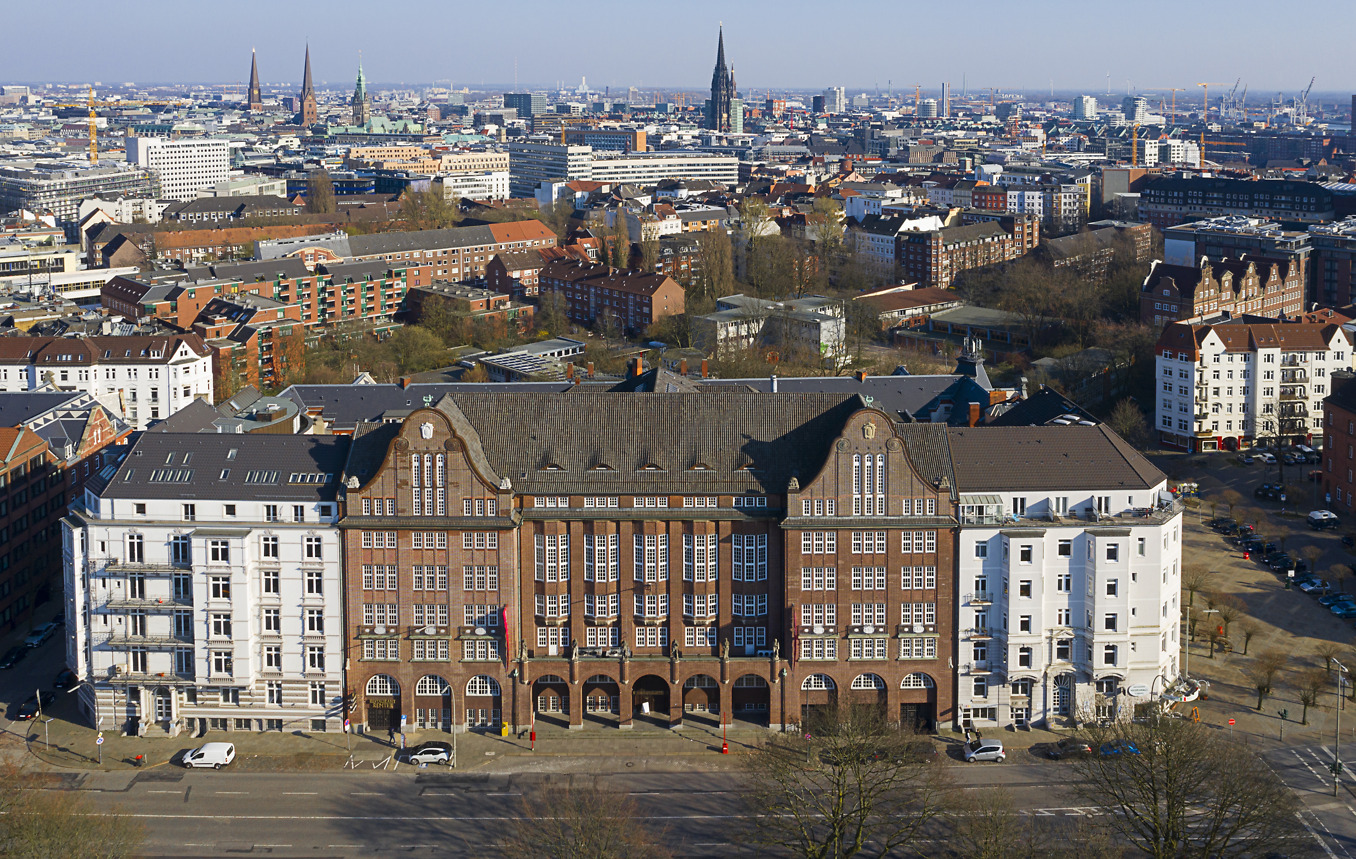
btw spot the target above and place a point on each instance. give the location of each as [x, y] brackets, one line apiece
[602, 679]
[868, 681]
[432, 684]
[482, 685]
[551, 678]
[382, 685]
[750, 681]
[917, 681]
[817, 682]
[700, 681]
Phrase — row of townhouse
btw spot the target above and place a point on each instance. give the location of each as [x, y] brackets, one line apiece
[595, 559]
[1228, 386]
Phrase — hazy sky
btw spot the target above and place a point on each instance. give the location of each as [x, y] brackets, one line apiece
[791, 43]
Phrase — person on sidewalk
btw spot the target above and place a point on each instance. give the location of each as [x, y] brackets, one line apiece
[390, 736]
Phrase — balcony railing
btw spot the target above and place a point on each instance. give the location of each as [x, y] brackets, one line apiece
[148, 604]
[979, 632]
[979, 598]
[123, 640]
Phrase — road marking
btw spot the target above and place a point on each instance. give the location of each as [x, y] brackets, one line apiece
[435, 793]
[236, 792]
[299, 793]
[343, 846]
[503, 794]
[366, 793]
[273, 845]
[163, 791]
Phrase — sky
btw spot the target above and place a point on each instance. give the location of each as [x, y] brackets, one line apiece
[790, 44]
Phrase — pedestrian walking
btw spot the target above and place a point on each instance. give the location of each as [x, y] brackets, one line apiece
[390, 736]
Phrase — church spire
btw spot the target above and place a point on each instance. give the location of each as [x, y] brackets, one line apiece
[720, 51]
[306, 86]
[307, 114]
[362, 107]
[255, 97]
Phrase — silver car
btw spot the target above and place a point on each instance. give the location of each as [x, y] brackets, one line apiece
[984, 750]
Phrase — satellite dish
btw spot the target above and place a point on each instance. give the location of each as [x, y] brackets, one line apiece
[428, 630]
[379, 630]
[480, 630]
[918, 627]
[818, 630]
[868, 629]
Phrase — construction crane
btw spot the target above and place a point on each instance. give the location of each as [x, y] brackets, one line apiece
[93, 132]
[917, 98]
[1175, 91]
[1302, 104]
[992, 90]
[1205, 109]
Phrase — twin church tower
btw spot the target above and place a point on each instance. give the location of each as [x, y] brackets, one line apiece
[307, 115]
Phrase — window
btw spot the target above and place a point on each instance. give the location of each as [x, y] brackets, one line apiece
[1025, 553]
[699, 558]
[1024, 588]
[868, 578]
[651, 561]
[219, 551]
[918, 541]
[1064, 649]
[980, 687]
[1109, 654]
[315, 657]
[221, 663]
[273, 691]
[271, 582]
[1065, 549]
[553, 605]
[1109, 623]
[190, 512]
[601, 557]
[918, 578]
[272, 620]
[1113, 552]
[315, 620]
[478, 577]
[181, 549]
[868, 648]
[1111, 587]
[298, 513]
[658, 636]
[268, 547]
[136, 549]
[818, 542]
[652, 605]
[271, 513]
[272, 657]
[1018, 505]
[818, 578]
[553, 557]
[318, 695]
[313, 550]
[749, 557]
[219, 587]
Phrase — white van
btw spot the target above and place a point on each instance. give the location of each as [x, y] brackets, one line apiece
[1321, 519]
[214, 755]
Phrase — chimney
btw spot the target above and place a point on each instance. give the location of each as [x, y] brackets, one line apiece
[861, 375]
[405, 382]
[774, 383]
[974, 414]
[705, 371]
[682, 367]
[637, 366]
[569, 371]
[590, 369]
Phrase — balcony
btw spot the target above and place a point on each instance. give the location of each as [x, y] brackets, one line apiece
[1294, 376]
[979, 633]
[979, 666]
[113, 565]
[154, 641]
[148, 604]
[1294, 394]
[979, 598]
[119, 675]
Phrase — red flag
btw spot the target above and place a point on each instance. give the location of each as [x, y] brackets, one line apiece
[508, 639]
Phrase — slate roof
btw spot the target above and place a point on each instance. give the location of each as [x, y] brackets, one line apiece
[899, 396]
[21, 407]
[250, 272]
[254, 466]
[1038, 459]
[345, 406]
[1040, 409]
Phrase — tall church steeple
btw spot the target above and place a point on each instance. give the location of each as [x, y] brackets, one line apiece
[308, 114]
[724, 111]
[255, 96]
[362, 105]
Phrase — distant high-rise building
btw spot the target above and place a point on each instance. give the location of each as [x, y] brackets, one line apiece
[927, 108]
[1135, 108]
[724, 110]
[817, 104]
[528, 104]
[184, 167]
[256, 95]
[307, 115]
[1085, 107]
[362, 105]
[835, 100]
[945, 106]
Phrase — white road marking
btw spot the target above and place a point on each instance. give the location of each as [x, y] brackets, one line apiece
[236, 792]
[366, 793]
[503, 794]
[299, 793]
[164, 791]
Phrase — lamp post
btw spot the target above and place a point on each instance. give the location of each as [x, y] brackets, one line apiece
[1337, 736]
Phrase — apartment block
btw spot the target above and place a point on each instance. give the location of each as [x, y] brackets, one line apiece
[184, 167]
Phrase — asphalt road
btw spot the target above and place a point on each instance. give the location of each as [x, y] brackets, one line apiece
[436, 812]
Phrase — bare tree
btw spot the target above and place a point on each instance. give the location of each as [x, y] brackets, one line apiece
[1311, 683]
[36, 823]
[581, 823]
[1229, 607]
[1339, 573]
[854, 785]
[1248, 628]
[1231, 499]
[990, 825]
[1311, 553]
[1190, 791]
[1327, 651]
[1262, 673]
[1195, 577]
[1216, 638]
[1127, 421]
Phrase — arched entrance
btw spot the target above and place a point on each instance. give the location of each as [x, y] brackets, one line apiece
[433, 703]
[751, 698]
[484, 706]
[701, 698]
[551, 700]
[602, 699]
[818, 698]
[382, 694]
[869, 690]
[1021, 701]
[1062, 702]
[650, 698]
[163, 706]
[918, 707]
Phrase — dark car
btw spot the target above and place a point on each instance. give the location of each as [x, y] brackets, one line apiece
[1069, 747]
[1118, 747]
[426, 753]
[65, 679]
[13, 655]
[1334, 598]
[35, 705]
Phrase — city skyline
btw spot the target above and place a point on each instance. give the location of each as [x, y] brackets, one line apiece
[765, 53]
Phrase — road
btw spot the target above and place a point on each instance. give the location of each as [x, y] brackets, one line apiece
[1306, 769]
[434, 811]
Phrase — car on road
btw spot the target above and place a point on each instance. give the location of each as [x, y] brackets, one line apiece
[1268, 491]
[13, 656]
[1332, 598]
[984, 750]
[214, 755]
[1344, 610]
[1291, 459]
[1245, 459]
[1069, 747]
[39, 635]
[426, 753]
[31, 708]
[65, 679]
[1118, 747]
[1313, 586]
[1321, 520]
[1266, 458]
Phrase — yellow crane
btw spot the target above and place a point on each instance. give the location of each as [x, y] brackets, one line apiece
[1175, 91]
[917, 97]
[93, 131]
[1205, 112]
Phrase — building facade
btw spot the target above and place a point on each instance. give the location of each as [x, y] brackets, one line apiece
[1232, 287]
[724, 110]
[32, 502]
[184, 167]
[594, 292]
[1339, 447]
[1228, 386]
[204, 587]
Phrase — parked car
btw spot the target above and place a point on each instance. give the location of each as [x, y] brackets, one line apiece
[1266, 458]
[1245, 458]
[427, 753]
[1291, 459]
[1069, 747]
[1118, 747]
[984, 750]
[1321, 520]
[65, 679]
[13, 655]
[1332, 598]
[39, 635]
[214, 755]
[1313, 586]
[31, 708]
[1344, 610]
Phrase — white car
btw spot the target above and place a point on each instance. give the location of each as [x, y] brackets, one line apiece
[214, 755]
[984, 750]
[1269, 459]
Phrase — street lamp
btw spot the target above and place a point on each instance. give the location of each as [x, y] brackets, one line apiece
[1337, 737]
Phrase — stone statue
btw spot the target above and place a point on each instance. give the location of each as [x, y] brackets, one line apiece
[574, 652]
[725, 648]
[522, 650]
[776, 649]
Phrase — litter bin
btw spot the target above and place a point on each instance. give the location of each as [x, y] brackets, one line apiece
[503, 729]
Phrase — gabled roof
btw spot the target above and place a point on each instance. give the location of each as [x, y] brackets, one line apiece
[1073, 458]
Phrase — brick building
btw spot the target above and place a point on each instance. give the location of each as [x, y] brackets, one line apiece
[937, 257]
[592, 292]
[1257, 287]
[1339, 446]
[514, 554]
[33, 498]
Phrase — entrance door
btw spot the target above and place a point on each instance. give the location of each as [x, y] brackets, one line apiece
[380, 718]
[651, 697]
[1064, 694]
[164, 707]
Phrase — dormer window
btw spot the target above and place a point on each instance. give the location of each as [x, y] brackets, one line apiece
[650, 467]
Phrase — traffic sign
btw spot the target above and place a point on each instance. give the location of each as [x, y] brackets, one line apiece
[99, 742]
[1231, 723]
[346, 724]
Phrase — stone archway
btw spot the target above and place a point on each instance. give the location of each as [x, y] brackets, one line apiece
[701, 698]
[602, 699]
[433, 703]
[382, 695]
[818, 698]
[751, 699]
[484, 703]
[918, 703]
[869, 690]
[551, 700]
[650, 698]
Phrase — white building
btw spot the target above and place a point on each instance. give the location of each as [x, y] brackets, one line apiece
[204, 587]
[1068, 567]
[488, 185]
[247, 186]
[143, 379]
[814, 324]
[530, 164]
[1085, 108]
[1225, 386]
[650, 168]
[185, 167]
[835, 100]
